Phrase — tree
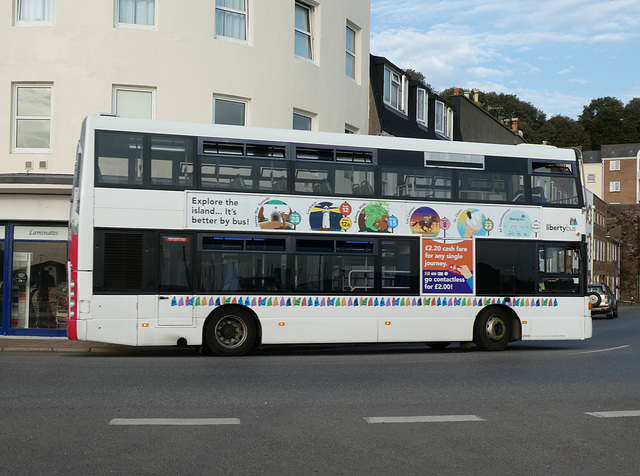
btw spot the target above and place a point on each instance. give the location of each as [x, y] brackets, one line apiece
[631, 121]
[563, 131]
[508, 106]
[602, 120]
[418, 76]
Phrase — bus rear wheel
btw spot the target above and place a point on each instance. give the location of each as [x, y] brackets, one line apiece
[492, 329]
[230, 332]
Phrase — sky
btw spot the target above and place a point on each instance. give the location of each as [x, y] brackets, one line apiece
[557, 55]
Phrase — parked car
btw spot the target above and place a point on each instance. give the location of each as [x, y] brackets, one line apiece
[603, 300]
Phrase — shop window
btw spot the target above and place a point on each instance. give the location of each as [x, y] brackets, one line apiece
[39, 285]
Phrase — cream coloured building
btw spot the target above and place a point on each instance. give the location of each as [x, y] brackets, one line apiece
[265, 63]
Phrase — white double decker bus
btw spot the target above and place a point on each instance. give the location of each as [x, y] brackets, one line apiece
[230, 237]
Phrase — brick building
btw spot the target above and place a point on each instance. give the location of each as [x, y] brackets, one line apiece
[620, 173]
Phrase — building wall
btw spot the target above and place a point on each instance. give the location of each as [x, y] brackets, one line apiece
[593, 174]
[625, 177]
[83, 56]
[474, 124]
[623, 224]
[604, 251]
[620, 163]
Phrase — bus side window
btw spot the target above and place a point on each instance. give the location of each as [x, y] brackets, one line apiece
[172, 161]
[119, 158]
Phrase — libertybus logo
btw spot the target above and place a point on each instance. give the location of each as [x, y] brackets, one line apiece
[572, 226]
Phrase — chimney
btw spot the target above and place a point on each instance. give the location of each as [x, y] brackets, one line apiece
[514, 123]
[456, 91]
[476, 93]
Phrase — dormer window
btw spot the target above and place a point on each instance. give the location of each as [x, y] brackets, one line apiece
[394, 90]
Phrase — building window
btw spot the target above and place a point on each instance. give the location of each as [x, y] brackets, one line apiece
[32, 108]
[136, 12]
[591, 178]
[133, 102]
[231, 19]
[394, 89]
[350, 63]
[614, 186]
[303, 31]
[349, 129]
[421, 106]
[302, 121]
[35, 11]
[444, 120]
[229, 111]
[614, 165]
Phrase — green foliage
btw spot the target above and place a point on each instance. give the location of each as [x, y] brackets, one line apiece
[418, 76]
[631, 121]
[563, 131]
[506, 107]
[604, 121]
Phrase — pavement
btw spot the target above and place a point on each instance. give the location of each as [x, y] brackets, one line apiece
[56, 344]
[62, 344]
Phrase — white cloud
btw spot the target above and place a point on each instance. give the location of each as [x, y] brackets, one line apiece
[538, 50]
[555, 103]
[482, 72]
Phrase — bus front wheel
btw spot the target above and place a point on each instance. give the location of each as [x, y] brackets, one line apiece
[492, 329]
[230, 332]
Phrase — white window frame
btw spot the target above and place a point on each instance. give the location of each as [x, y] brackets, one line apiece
[15, 118]
[449, 124]
[244, 13]
[591, 178]
[308, 34]
[243, 101]
[351, 56]
[308, 115]
[394, 90]
[49, 22]
[349, 129]
[133, 89]
[424, 101]
[446, 126]
[439, 112]
[614, 165]
[614, 186]
[135, 26]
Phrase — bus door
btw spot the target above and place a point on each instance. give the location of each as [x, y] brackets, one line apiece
[175, 303]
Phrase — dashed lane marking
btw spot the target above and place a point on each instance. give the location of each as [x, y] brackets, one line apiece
[175, 421]
[423, 419]
[618, 414]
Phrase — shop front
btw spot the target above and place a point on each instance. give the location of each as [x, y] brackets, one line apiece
[33, 301]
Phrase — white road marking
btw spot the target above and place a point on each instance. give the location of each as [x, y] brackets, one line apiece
[601, 350]
[175, 421]
[423, 419]
[619, 414]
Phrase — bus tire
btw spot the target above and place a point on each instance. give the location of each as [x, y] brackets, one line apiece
[230, 332]
[492, 329]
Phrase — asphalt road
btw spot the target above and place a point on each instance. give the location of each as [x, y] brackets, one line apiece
[537, 408]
